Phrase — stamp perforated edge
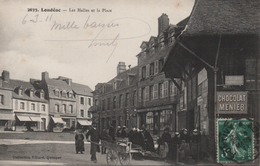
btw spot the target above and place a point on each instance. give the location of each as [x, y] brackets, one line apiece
[217, 144]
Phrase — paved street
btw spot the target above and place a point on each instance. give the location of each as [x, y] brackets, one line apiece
[49, 149]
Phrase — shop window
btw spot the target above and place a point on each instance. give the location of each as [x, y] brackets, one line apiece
[149, 121]
[166, 119]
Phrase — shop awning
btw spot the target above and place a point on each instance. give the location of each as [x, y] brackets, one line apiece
[85, 122]
[24, 118]
[7, 117]
[58, 120]
[36, 119]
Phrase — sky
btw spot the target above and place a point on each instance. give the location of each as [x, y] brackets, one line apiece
[84, 45]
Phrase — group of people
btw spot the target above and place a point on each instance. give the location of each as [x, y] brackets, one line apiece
[94, 139]
[181, 146]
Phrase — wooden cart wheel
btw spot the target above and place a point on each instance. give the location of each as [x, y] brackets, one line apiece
[112, 157]
[124, 158]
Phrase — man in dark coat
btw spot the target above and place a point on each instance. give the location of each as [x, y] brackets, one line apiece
[94, 138]
[112, 132]
[148, 141]
[195, 141]
[105, 137]
[79, 141]
[174, 145]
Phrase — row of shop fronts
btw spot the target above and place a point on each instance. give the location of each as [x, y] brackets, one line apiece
[43, 105]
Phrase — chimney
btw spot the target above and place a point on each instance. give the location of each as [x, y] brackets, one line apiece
[5, 76]
[45, 75]
[69, 81]
[121, 67]
[163, 23]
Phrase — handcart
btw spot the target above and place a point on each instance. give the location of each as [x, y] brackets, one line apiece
[120, 150]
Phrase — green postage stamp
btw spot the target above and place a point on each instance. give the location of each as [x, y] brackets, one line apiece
[235, 141]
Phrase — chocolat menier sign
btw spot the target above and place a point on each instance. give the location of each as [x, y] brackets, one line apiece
[232, 102]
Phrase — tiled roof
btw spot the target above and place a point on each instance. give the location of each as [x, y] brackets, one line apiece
[25, 86]
[54, 84]
[81, 89]
[224, 17]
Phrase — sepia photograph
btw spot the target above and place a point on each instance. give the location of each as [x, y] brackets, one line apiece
[130, 82]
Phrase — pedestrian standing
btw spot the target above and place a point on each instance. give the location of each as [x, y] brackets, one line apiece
[164, 143]
[112, 132]
[79, 141]
[195, 141]
[175, 143]
[148, 140]
[184, 149]
[105, 137]
[94, 138]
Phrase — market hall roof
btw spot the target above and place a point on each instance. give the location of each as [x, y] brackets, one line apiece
[224, 17]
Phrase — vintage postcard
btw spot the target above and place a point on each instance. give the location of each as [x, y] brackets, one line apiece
[129, 82]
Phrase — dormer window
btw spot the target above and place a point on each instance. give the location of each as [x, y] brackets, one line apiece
[20, 91]
[171, 37]
[42, 94]
[70, 94]
[31, 93]
[152, 48]
[115, 85]
[57, 92]
[63, 93]
[161, 42]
